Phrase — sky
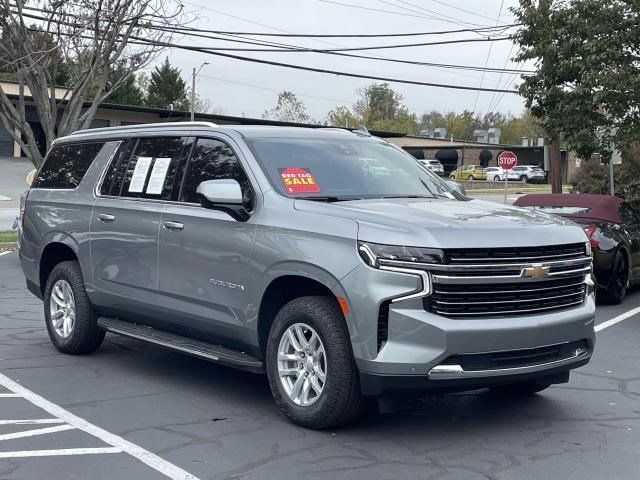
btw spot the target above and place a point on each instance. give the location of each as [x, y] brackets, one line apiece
[247, 89]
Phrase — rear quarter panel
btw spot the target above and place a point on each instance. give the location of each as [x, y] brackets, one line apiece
[61, 215]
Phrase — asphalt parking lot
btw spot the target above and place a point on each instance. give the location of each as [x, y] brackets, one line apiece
[133, 411]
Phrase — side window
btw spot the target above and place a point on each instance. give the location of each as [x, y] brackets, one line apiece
[112, 181]
[155, 168]
[66, 165]
[212, 160]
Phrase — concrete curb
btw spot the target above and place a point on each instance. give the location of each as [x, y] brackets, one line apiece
[8, 244]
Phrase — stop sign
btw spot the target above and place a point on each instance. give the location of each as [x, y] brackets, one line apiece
[507, 160]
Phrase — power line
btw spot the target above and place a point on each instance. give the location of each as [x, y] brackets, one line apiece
[463, 10]
[350, 49]
[144, 41]
[288, 48]
[348, 35]
[382, 11]
[440, 17]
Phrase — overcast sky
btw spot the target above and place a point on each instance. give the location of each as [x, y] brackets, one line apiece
[242, 88]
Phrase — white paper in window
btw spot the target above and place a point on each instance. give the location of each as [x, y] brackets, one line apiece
[139, 174]
[158, 174]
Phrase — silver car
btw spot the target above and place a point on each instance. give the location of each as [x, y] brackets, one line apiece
[328, 260]
[434, 165]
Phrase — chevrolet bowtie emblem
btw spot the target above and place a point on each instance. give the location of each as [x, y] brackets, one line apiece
[536, 270]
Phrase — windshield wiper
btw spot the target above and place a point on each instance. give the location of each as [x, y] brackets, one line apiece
[408, 196]
[329, 199]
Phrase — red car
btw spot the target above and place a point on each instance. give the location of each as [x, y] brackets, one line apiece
[613, 228]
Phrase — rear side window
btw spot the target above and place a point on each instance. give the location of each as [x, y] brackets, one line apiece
[66, 165]
[147, 168]
[213, 160]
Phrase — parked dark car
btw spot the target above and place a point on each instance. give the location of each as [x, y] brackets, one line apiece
[613, 228]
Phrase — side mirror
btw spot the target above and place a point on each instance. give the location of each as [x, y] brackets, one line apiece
[458, 187]
[227, 192]
[224, 195]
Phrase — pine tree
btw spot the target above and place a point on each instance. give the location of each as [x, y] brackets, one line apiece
[167, 89]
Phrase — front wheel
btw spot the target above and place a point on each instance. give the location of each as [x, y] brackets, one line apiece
[312, 374]
[71, 322]
[521, 389]
[452, 177]
[471, 178]
[523, 178]
[496, 178]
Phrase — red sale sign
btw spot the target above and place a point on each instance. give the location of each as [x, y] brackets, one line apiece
[507, 160]
[298, 180]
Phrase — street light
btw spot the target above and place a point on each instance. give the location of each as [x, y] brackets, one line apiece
[193, 89]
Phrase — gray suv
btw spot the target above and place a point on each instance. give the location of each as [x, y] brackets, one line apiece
[327, 259]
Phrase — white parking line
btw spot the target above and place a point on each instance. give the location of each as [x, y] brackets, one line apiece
[36, 431]
[618, 319]
[34, 421]
[120, 444]
[5, 253]
[62, 451]
[9, 395]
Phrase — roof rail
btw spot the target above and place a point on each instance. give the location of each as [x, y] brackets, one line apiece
[143, 126]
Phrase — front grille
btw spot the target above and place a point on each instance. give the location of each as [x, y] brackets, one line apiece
[516, 358]
[499, 282]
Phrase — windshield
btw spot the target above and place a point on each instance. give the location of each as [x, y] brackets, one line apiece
[345, 169]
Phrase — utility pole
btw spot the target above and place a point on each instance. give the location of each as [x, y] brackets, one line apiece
[193, 90]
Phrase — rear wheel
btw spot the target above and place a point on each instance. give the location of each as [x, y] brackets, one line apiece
[523, 178]
[312, 374]
[452, 177]
[619, 280]
[471, 177]
[521, 389]
[496, 178]
[71, 322]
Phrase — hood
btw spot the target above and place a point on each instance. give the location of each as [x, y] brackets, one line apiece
[443, 223]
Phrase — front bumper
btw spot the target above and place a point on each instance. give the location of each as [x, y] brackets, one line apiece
[418, 341]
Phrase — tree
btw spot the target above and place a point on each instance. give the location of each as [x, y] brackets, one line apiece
[87, 40]
[288, 109]
[380, 108]
[342, 117]
[129, 93]
[586, 87]
[166, 88]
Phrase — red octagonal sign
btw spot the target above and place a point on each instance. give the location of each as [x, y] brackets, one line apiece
[507, 160]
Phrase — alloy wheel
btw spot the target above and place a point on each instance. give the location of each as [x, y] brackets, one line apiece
[302, 364]
[62, 308]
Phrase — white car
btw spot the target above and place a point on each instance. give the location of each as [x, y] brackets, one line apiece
[497, 174]
[434, 165]
[530, 174]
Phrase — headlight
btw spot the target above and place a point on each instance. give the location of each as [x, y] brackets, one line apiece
[375, 254]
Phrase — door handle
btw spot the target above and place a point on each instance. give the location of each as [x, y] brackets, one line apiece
[105, 217]
[173, 225]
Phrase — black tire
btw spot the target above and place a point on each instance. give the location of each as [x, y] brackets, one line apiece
[617, 290]
[523, 178]
[86, 336]
[521, 389]
[496, 178]
[452, 177]
[471, 178]
[340, 401]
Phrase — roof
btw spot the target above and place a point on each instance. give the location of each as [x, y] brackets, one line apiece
[602, 207]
